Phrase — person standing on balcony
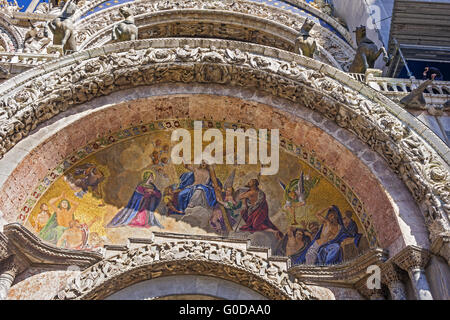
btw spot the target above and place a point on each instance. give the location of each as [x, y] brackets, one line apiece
[433, 74]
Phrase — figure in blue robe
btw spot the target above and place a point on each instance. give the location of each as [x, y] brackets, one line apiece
[139, 212]
[188, 189]
[331, 251]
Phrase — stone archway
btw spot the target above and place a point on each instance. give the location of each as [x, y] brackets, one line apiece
[189, 286]
[221, 25]
[337, 50]
[412, 151]
[264, 276]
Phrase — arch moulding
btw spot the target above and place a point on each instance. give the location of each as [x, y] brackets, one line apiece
[411, 150]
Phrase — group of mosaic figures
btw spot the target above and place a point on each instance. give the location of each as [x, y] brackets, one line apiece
[64, 37]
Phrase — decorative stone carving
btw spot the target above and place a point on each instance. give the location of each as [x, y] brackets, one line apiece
[9, 269]
[35, 40]
[63, 30]
[372, 294]
[326, 6]
[415, 99]
[417, 164]
[89, 29]
[414, 260]
[305, 44]
[391, 277]
[441, 246]
[126, 30]
[184, 257]
[367, 53]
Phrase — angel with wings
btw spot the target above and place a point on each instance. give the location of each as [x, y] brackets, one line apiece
[297, 191]
[229, 202]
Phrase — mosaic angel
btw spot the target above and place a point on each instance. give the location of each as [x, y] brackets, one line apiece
[297, 192]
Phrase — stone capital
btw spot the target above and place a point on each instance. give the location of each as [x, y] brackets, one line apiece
[411, 258]
[390, 273]
[12, 266]
[441, 246]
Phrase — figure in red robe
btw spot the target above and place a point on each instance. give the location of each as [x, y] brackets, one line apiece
[256, 211]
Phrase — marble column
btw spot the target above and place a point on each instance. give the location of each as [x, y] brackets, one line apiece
[8, 273]
[420, 283]
[414, 260]
[392, 278]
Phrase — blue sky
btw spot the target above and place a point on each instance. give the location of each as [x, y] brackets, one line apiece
[25, 3]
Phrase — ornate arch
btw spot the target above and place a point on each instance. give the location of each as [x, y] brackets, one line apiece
[10, 38]
[85, 12]
[211, 24]
[152, 261]
[411, 150]
[164, 21]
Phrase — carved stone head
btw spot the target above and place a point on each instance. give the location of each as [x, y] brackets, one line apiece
[360, 32]
[125, 12]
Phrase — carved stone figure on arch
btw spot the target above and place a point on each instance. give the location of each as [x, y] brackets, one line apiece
[367, 53]
[305, 44]
[125, 30]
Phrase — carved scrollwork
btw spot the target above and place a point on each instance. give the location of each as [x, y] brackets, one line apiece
[185, 257]
[91, 27]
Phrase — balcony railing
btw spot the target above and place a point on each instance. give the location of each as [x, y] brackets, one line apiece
[437, 93]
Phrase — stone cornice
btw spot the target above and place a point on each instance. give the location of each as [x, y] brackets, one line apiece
[344, 274]
[26, 245]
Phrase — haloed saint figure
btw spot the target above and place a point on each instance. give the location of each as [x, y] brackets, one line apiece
[140, 210]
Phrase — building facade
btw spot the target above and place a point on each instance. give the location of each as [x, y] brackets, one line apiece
[232, 149]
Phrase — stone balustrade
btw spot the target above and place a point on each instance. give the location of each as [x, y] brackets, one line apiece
[436, 94]
[395, 86]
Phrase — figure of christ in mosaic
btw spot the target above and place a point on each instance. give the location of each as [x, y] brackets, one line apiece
[195, 188]
[140, 210]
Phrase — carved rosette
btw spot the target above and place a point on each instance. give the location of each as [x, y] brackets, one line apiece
[185, 257]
